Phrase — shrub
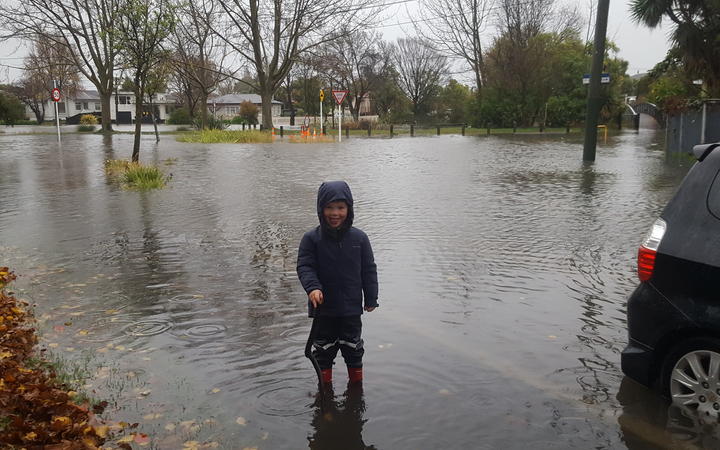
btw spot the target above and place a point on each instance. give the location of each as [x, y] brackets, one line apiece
[11, 110]
[238, 120]
[362, 124]
[180, 116]
[136, 175]
[144, 177]
[213, 123]
[249, 112]
[226, 136]
[86, 128]
[88, 119]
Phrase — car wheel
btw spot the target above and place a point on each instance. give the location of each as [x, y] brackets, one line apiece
[691, 376]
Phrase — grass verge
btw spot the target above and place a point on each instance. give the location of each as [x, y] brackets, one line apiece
[226, 137]
[135, 175]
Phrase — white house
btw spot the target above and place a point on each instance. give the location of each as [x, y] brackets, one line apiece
[228, 105]
[122, 107]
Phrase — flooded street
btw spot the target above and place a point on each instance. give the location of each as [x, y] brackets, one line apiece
[504, 267]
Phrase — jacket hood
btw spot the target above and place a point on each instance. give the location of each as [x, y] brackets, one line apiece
[331, 191]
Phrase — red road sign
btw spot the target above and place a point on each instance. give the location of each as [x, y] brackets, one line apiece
[339, 96]
[56, 94]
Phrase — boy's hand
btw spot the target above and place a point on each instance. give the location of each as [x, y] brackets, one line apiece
[370, 308]
[316, 297]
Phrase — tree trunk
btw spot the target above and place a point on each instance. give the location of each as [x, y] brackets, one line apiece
[267, 96]
[154, 119]
[106, 111]
[39, 114]
[138, 124]
[355, 109]
[203, 111]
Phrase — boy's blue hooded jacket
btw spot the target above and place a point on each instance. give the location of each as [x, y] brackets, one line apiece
[338, 262]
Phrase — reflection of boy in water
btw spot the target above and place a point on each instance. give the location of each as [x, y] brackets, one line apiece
[337, 270]
[341, 425]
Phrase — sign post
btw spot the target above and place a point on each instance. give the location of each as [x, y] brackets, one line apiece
[56, 99]
[339, 96]
[322, 122]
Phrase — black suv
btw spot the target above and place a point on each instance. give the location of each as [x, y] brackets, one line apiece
[674, 315]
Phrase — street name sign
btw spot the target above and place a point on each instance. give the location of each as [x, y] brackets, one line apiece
[604, 78]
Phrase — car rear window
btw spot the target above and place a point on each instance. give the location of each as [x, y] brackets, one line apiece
[713, 200]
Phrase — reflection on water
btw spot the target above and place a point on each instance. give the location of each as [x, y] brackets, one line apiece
[504, 266]
[648, 421]
[341, 422]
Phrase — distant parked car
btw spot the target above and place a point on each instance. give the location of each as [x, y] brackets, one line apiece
[674, 314]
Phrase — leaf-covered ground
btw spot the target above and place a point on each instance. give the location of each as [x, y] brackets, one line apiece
[36, 411]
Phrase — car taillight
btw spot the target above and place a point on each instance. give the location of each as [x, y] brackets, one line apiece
[648, 250]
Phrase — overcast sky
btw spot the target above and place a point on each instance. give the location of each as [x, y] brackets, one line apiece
[640, 46]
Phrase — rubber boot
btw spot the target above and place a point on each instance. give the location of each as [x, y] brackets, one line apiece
[355, 375]
[326, 375]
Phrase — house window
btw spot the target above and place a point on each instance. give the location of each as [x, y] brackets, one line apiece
[86, 105]
[124, 99]
[61, 107]
[78, 106]
[97, 106]
[232, 110]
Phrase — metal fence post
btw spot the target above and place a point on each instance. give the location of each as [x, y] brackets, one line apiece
[412, 130]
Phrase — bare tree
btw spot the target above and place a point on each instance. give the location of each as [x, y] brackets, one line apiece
[44, 64]
[272, 34]
[353, 59]
[521, 20]
[33, 92]
[199, 52]
[142, 30]
[420, 68]
[83, 27]
[456, 28]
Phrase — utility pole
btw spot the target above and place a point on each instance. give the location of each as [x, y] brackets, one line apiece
[594, 99]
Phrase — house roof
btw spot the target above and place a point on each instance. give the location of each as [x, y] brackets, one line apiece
[89, 94]
[83, 94]
[236, 99]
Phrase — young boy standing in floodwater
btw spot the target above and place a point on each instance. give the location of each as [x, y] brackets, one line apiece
[337, 270]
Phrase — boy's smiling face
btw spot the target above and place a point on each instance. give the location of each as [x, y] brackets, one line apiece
[335, 213]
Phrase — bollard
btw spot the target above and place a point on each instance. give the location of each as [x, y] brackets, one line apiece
[347, 132]
[369, 130]
[391, 131]
[261, 127]
[412, 130]
[542, 128]
[463, 129]
[567, 129]
[243, 127]
[281, 131]
[324, 130]
[514, 128]
[488, 131]
[438, 130]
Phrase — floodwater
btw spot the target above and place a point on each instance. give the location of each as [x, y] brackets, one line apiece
[504, 266]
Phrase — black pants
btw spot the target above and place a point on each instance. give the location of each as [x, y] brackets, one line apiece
[338, 333]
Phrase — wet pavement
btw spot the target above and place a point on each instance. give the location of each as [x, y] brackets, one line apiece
[504, 266]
